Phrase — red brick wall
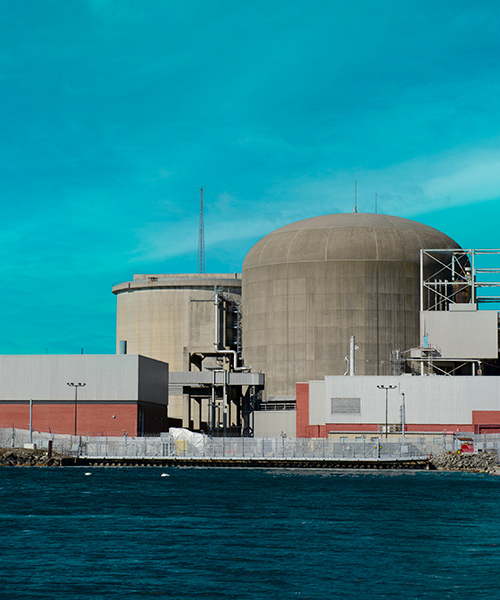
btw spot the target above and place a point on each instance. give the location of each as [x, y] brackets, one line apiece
[487, 421]
[439, 427]
[93, 419]
[302, 409]
[355, 427]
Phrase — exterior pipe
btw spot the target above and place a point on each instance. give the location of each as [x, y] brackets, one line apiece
[216, 337]
[224, 405]
[352, 356]
[212, 408]
[216, 320]
[403, 418]
[421, 280]
[235, 358]
[31, 420]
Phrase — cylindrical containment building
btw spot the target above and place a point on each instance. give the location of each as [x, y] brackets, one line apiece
[311, 285]
[169, 317]
[182, 319]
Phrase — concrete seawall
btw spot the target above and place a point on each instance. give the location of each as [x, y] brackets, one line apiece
[256, 463]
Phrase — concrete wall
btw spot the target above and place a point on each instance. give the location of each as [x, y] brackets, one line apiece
[272, 423]
[153, 381]
[45, 377]
[309, 286]
[316, 401]
[461, 333]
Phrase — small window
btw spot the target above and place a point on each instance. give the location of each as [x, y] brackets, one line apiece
[343, 440]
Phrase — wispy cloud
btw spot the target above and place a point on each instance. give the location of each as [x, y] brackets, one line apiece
[410, 188]
[466, 179]
[406, 189]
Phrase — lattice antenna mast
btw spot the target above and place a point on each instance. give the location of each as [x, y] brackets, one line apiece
[201, 238]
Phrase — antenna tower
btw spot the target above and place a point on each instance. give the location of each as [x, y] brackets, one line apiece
[201, 238]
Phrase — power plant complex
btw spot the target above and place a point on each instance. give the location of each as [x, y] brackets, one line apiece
[339, 325]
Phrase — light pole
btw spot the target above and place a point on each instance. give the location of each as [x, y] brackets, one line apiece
[386, 388]
[403, 417]
[76, 386]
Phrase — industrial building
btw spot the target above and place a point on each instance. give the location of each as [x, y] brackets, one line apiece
[350, 406]
[335, 298]
[339, 325]
[192, 322]
[96, 395]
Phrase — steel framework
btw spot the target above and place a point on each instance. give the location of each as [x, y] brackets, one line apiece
[458, 277]
[451, 277]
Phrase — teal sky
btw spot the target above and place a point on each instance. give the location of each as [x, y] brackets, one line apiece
[116, 112]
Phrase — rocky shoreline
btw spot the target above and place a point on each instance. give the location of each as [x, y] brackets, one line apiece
[482, 462]
[23, 457]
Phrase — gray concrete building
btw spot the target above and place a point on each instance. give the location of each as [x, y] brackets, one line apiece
[84, 394]
[191, 321]
[171, 317]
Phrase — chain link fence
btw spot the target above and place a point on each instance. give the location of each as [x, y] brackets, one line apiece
[201, 446]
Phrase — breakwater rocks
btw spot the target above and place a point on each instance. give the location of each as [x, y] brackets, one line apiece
[23, 457]
[482, 462]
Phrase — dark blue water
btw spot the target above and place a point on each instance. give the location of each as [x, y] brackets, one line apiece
[201, 533]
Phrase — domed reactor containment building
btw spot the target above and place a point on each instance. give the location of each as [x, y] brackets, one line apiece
[311, 285]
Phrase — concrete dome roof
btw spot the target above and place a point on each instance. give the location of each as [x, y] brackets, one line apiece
[352, 236]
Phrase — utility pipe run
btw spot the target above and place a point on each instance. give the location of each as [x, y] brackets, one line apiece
[232, 353]
[352, 356]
